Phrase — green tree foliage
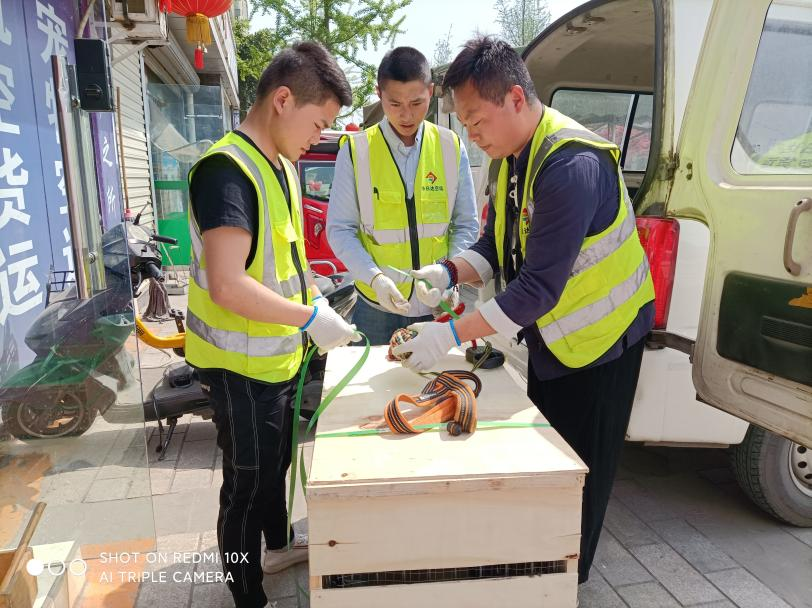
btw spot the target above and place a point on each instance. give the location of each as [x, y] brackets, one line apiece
[254, 52]
[345, 27]
[442, 51]
[521, 20]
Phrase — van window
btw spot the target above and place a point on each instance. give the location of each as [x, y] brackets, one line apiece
[609, 114]
[775, 127]
[476, 157]
[635, 154]
[316, 178]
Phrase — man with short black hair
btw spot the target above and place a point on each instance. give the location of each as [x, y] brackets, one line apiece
[251, 300]
[561, 237]
[402, 197]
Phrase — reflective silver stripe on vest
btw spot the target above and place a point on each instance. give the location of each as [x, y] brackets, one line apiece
[364, 183]
[450, 168]
[198, 274]
[364, 191]
[295, 180]
[431, 230]
[610, 242]
[293, 285]
[393, 236]
[240, 342]
[584, 317]
[553, 138]
[288, 288]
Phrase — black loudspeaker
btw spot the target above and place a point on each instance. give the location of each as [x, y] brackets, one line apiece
[93, 75]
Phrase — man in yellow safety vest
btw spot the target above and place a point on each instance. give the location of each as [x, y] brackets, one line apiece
[402, 197]
[253, 305]
[561, 234]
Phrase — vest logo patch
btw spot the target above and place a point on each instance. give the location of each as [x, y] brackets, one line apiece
[429, 186]
[524, 224]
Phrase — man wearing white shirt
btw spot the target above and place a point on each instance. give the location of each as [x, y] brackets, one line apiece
[402, 197]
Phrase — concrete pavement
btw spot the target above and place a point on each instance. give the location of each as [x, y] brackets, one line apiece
[678, 531]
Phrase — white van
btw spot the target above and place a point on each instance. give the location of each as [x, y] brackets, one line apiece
[711, 105]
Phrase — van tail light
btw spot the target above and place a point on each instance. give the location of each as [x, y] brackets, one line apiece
[484, 219]
[660, 238]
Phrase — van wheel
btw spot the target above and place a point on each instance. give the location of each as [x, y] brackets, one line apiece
[776, 474]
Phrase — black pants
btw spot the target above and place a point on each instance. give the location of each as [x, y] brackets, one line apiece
[590, 409]
[254, 431]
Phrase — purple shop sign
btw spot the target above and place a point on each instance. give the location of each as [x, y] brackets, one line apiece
[102, 126]
[34, 233]
[51, 25]
[107, 170]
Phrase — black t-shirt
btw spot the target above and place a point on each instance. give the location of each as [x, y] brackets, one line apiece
[222, 195]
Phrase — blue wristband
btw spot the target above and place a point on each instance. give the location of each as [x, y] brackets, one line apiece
[454, 332]
[450, 280]
[310, 320]
[320, 296]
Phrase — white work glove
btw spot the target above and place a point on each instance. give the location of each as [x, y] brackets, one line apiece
[328, 329]
[389, 295]
[438, 279]
[320, 301]
[450, 298]
[432, 343]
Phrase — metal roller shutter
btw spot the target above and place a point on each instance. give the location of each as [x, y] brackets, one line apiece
[128, 77]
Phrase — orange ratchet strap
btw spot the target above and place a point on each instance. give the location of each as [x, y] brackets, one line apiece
[450, 398]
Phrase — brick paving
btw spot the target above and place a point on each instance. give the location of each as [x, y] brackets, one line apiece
[678, 532]
[671, 538]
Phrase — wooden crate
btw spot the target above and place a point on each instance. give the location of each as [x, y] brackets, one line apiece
[18, 588]
[486, 519]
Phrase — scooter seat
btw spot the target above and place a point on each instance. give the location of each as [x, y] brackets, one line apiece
[177, 393]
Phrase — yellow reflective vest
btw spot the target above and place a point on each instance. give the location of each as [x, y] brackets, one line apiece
[398, 231]
[221, 339]
[610, 279]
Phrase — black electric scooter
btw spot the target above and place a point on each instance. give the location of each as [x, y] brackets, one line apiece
[179, 392]
[79, 342]
[80, 363]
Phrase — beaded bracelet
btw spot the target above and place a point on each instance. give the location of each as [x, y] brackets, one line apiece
[451, 267]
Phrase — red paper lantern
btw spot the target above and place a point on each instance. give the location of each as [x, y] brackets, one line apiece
[197, 13]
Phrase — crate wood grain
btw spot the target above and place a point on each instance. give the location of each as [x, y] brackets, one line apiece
[422, 503]
[18, 588]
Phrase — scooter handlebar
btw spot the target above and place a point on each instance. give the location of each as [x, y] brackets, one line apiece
[164, 239]
[152, 271]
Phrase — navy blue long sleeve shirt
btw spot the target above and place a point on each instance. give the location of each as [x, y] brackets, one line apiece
[576, 195]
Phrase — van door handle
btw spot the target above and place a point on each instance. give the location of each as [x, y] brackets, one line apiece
[793, 267]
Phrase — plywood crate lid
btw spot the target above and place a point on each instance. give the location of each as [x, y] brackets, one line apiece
[433, 461]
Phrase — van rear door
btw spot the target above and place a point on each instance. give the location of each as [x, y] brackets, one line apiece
[745, 168]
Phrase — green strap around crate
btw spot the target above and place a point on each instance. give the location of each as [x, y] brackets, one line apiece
[443, 304]
[297, 452]
[482, 425]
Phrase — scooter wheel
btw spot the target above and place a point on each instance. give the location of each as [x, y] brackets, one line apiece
[69, 417]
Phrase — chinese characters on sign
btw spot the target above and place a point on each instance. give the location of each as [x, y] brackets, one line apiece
[35, 234]
[54, 29]
[21, 289]
[107, 175]
[52, 39]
